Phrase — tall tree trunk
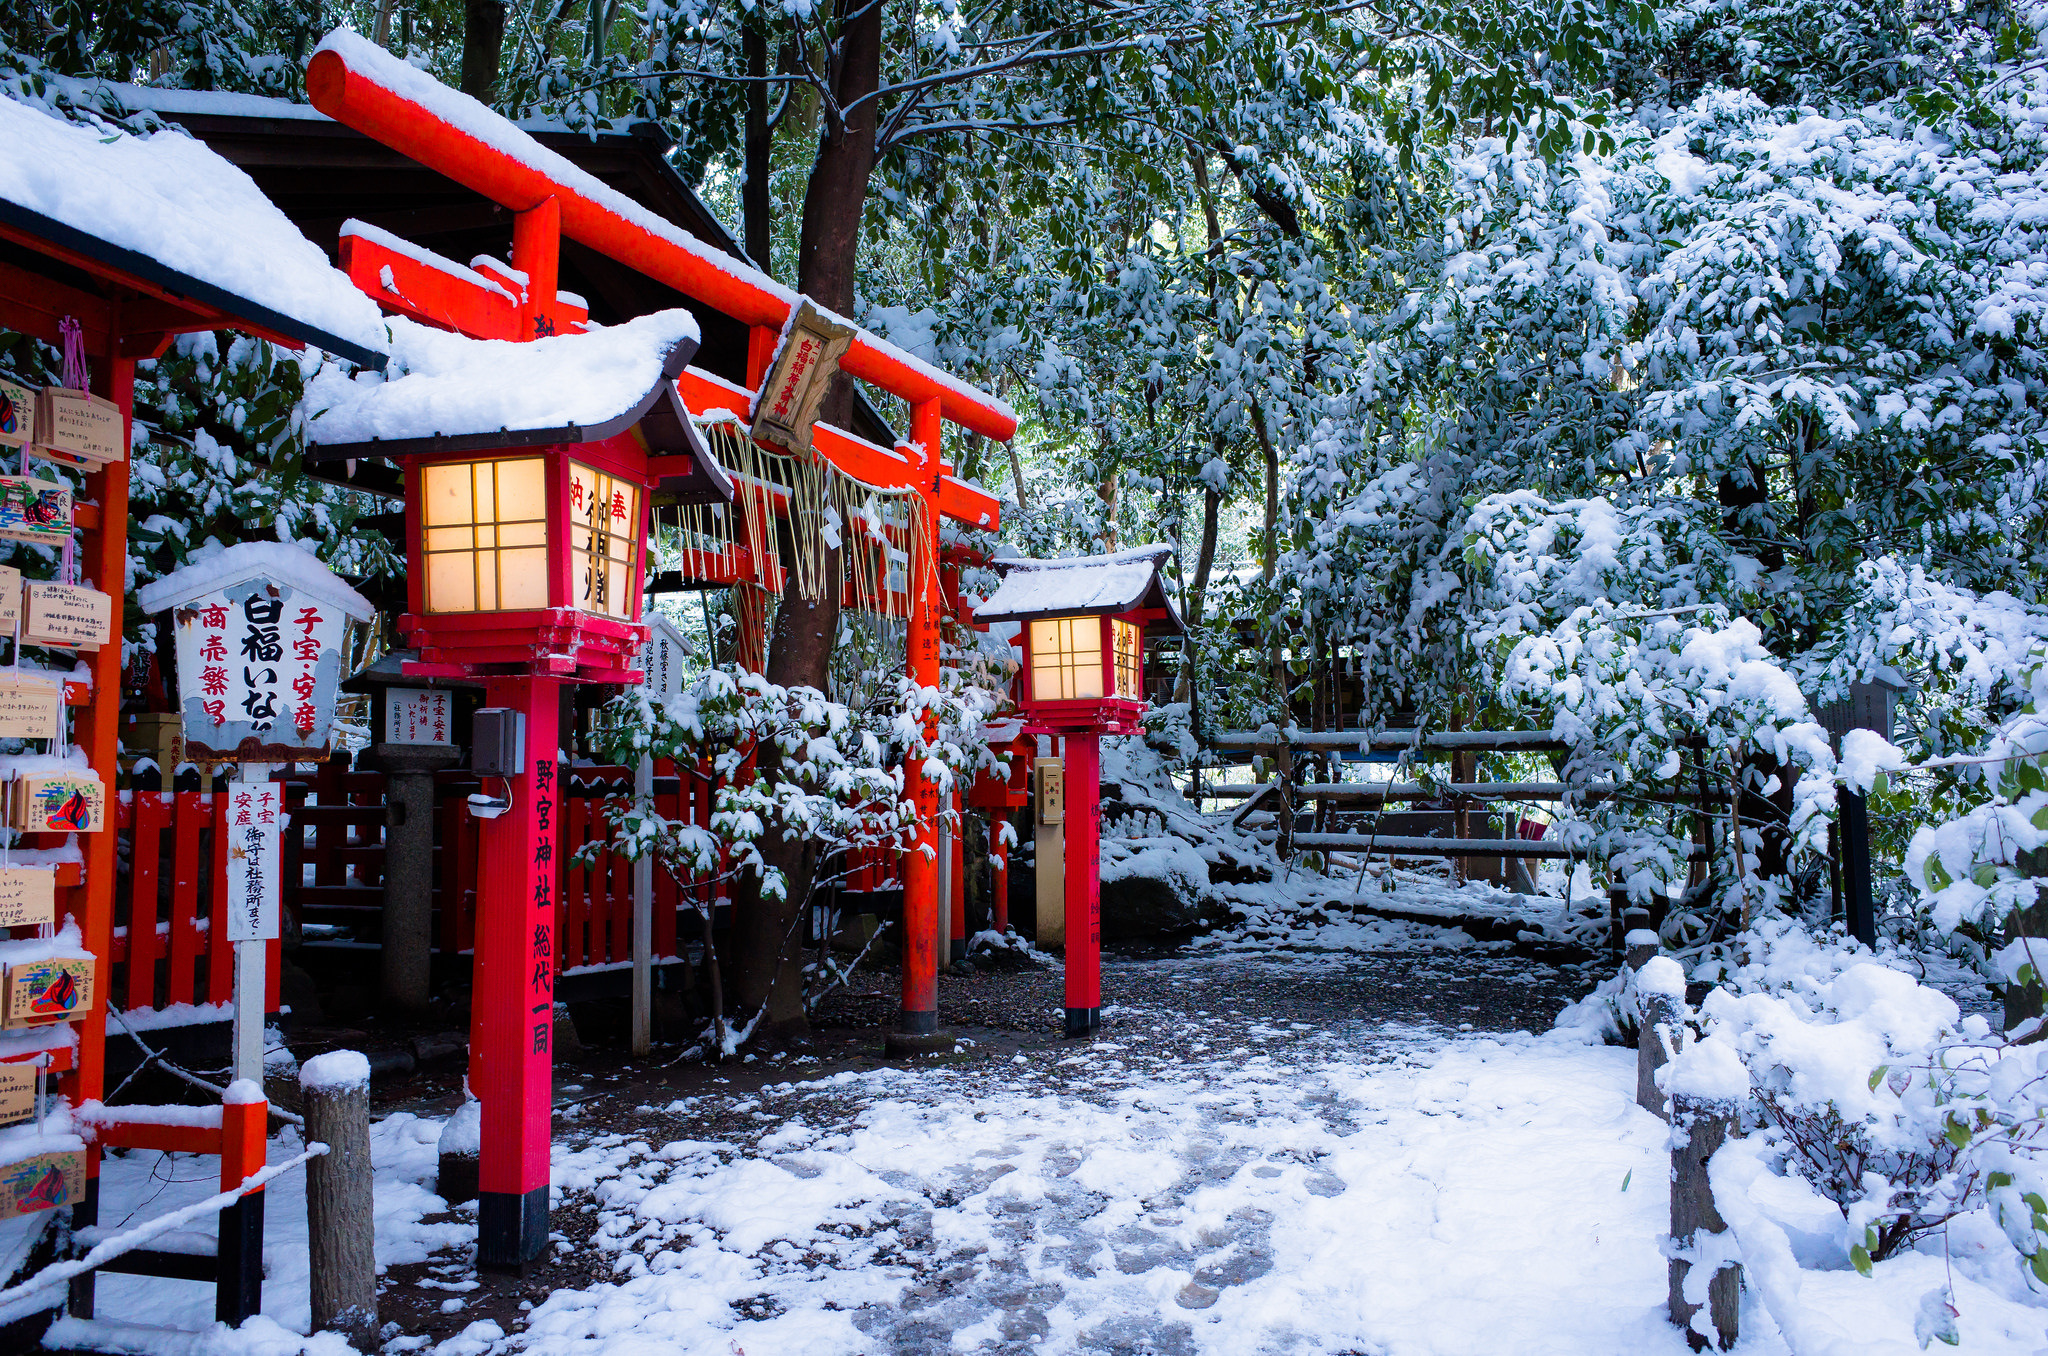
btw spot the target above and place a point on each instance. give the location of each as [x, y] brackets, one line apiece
[760, 145]
[1205, 555]
[483, 38]
[767, 938]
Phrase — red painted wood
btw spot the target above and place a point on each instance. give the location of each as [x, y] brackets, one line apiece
[351, 98]
[619, 910]
[427, 294]
[574, 909]
[220, 954]
[150, 812]
[192, 813]
[512, 1023]
[999, 877]
[1084, 871]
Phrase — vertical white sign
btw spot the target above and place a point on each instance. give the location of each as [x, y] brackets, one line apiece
[662, 659]
[417, 715]
[255, 889]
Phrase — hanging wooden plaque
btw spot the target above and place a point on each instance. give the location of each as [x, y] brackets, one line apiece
[17, 1092]
[80, 426]
[787, 404]
[17, 414]
[10, 597]
[34, 510]
[70, 615]
[68, 802]
[30, 708]
[44, 991]
[41, 1182]
[28, 894]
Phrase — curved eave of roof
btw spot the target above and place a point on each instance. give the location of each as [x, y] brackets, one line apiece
[1149, 596]
[158, 275]
[660, 410]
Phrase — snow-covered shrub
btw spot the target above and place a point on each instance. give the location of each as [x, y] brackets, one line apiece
[787, 761]
[1871, 1089]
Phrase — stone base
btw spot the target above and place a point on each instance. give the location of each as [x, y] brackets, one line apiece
[898, 1044]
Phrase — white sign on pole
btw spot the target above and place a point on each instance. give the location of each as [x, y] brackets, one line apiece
[417, 715]
[662, 659]
[258, 636]
[255, 822]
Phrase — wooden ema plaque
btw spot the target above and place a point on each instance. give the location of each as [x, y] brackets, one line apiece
[17, 414]
[79, 427]
[17, 1092]
[41, 1182]
[30, 708]
[45, 991]
[62, 802]
[28, 895]
[70, 615]
[34, 510]
[10, 597]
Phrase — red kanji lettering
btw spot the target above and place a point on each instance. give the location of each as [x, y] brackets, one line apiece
[215, 649]
[214, 680]
[214, 616]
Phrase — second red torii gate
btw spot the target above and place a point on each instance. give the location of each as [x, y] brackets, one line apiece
[362, 86]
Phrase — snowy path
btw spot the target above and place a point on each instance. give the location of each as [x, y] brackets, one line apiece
[1353, 1186]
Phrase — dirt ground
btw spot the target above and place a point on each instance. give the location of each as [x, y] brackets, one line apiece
[999, 1017]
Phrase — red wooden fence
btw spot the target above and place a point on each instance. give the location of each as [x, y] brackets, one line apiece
[165, 947]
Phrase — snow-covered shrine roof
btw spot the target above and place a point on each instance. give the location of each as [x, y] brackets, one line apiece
[1123, 581]
[173, 213]
[450, 393]
[285, 564]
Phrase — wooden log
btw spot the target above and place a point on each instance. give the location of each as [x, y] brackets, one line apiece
[340, 1227]
[1345, 741]
[1381, 845]
[1697, 1131]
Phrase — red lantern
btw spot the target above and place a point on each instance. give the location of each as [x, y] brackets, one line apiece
[1083, 624]
[527, 472]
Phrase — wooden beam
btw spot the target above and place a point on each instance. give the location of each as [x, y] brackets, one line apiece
[1352, 741]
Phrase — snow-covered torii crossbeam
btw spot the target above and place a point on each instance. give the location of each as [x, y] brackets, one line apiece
[362, 86]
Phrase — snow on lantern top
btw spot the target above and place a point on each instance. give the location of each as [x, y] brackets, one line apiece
[1121, 582]
[1084, 623]
[257, 634]
[450, 394]
[166, 203]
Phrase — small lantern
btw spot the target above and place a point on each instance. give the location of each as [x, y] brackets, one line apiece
[527, 520]
[1084, 624]
[1083, 638]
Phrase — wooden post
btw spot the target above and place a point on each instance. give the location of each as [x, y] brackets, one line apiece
[247, 1023]
[998, 874]
[1660, 1016]
[917, 1017]
[1284, 806]
[238, 1275]
[512, 1020]
[1049, 857]
[956, 882]
[643, 926]
[1697, 1130]
[1084, 885]
[1617, 906]
[340, 1227]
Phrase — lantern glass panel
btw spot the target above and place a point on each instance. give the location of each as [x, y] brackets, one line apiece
[483, 535]
[1124, 635]
[1066, 659]
[604, 518]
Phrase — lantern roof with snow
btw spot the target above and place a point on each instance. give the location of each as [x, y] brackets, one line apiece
[455, 395]
[1119, 583]
[272, 561]
[190, 228]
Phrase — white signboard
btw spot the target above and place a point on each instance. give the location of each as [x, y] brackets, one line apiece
[417, 715]
[662, 659]
[255, 823]
[258, 664]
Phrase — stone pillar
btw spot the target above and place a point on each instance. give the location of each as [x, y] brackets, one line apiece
[407, 959]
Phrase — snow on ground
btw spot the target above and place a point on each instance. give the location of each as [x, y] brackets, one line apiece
[1262, 1153]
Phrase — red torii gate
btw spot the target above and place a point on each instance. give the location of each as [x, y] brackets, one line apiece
[364, 87]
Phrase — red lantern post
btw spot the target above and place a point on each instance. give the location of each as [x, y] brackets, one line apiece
[526, 546]
[1083, 625]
